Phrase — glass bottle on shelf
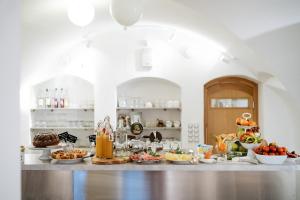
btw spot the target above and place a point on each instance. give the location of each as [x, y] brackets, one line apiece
[55, 99]
[66, 98]
[61, 98]
[47, 99]
[40, 100]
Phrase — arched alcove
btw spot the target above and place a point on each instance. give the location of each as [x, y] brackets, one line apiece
[76, 116]
[151, 98]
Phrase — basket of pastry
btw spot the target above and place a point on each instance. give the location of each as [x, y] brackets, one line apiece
[69, 157]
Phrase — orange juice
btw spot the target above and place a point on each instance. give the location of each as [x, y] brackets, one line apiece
[222, 147]
[98, 146]
[208, 154]
[107, 147]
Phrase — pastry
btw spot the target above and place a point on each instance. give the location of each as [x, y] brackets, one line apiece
[45, 139]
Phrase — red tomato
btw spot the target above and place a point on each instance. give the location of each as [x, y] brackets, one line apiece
[265, 153]
[284, 149]
[271, 154]
[266, 149]
[282, 153]
[279, 149]
[273, 149]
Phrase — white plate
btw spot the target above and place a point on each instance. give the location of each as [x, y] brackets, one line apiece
[292, 159]
[70, 161]
[45, 148]
[208, 161]
[245, 127]
[148, 162]
[180, 162]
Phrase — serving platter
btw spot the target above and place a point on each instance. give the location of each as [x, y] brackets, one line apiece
[181, 162]
[71, 161]
[46, 155]
[147, 162]
[208, 161]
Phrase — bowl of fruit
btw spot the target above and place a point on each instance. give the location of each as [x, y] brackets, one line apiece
[250, 141]
[271, 154]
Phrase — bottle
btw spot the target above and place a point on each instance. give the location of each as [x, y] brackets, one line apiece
[108, 146]
[92, 148]
[66, 100]
[61, 98]
[99, 145]
[40, 100]
[55, 98]
[47, 99]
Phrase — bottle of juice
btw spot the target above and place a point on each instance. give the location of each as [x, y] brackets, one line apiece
[108, 147]
[98, 145]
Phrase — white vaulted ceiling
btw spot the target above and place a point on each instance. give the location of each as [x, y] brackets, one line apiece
[248, 19]
[263, 35]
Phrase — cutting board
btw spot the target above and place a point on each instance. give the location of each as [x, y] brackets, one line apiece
[115, 160]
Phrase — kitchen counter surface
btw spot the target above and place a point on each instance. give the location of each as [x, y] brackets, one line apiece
[32, 162]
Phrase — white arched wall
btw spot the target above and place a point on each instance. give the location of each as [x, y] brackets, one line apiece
[112, 62]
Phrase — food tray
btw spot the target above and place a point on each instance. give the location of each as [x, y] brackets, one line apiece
[71, 161]
[180, 162]
[148, 162]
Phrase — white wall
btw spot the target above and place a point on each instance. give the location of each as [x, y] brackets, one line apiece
[115, 64]
[9, 101]
[111, 60]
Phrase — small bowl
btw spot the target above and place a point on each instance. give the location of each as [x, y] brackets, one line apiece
[273, 160]
[250, 146]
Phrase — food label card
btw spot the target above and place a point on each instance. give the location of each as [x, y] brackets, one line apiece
[72, 138]
[92, 138]
[63, 136]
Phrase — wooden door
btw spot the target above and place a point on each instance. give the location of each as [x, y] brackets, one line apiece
[225, 99]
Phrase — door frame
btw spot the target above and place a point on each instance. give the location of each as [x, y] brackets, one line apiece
[228, 80]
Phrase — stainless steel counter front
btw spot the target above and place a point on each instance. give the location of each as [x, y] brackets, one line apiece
[163, 181]
[156, 185]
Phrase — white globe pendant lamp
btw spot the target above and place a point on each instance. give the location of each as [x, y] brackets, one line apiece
[81, 12]
[126, 12]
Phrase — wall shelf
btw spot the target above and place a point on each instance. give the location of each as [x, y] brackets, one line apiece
[60, 109]
[132, 109]
[62, 128]
[157, 128]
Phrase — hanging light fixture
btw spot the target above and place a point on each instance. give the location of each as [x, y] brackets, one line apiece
[126, 12]
[81, 12]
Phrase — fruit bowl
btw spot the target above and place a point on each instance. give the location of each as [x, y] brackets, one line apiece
[273, 160]
[250, 147]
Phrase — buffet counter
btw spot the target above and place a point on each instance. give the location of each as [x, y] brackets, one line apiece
[47, 180]
[32, 162]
